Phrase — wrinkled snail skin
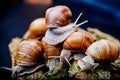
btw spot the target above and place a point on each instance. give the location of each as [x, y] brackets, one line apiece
[36, 29]
[78, 41]
[58, 16]
[29, 51]
[58, 35]
[103, 50]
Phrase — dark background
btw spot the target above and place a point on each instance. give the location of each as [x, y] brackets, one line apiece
[15, 17]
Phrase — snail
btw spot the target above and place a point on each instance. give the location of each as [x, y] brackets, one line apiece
[56, 56]
[37, 29]
[78, 41]
[51, 50]
[58, 16]
[28, 53]
[99, 51]
[55, 35]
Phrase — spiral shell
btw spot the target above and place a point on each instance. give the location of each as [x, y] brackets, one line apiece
[103, 50]
[58, 16]
[28, 52]
[36, 29]
[78, 41]
[52, 50]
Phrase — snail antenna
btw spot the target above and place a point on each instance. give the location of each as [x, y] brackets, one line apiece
[81, 23]
[67, 60]
[78, 18]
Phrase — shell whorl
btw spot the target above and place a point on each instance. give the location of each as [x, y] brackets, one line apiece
[28, 52]
[58, 15]
[103, 50]
[58, 35]
[78, 41]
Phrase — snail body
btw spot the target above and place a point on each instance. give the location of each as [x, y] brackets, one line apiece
[58, 35]
[36, 29]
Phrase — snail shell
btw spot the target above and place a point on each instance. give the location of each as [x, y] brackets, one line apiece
[103, 50]
[58, 16]
[78, 41]
[28, 52]
[36, 29]
[52, 50]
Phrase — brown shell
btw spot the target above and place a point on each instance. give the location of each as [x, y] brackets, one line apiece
[59, 15]
[36, 29]
[103, 50]
[52, 50]
[28, 52]
[78, 41]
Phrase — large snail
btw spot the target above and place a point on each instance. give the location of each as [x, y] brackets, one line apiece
[102, 50]
[28, 54]
[37, 29]
[51, 50]
[56, 33]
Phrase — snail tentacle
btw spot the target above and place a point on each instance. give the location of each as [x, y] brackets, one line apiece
[77, 19]
[81, 23]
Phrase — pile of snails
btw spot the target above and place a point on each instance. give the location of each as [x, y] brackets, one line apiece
[56, 39]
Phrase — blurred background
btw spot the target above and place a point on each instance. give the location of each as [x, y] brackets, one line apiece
[16, 15]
